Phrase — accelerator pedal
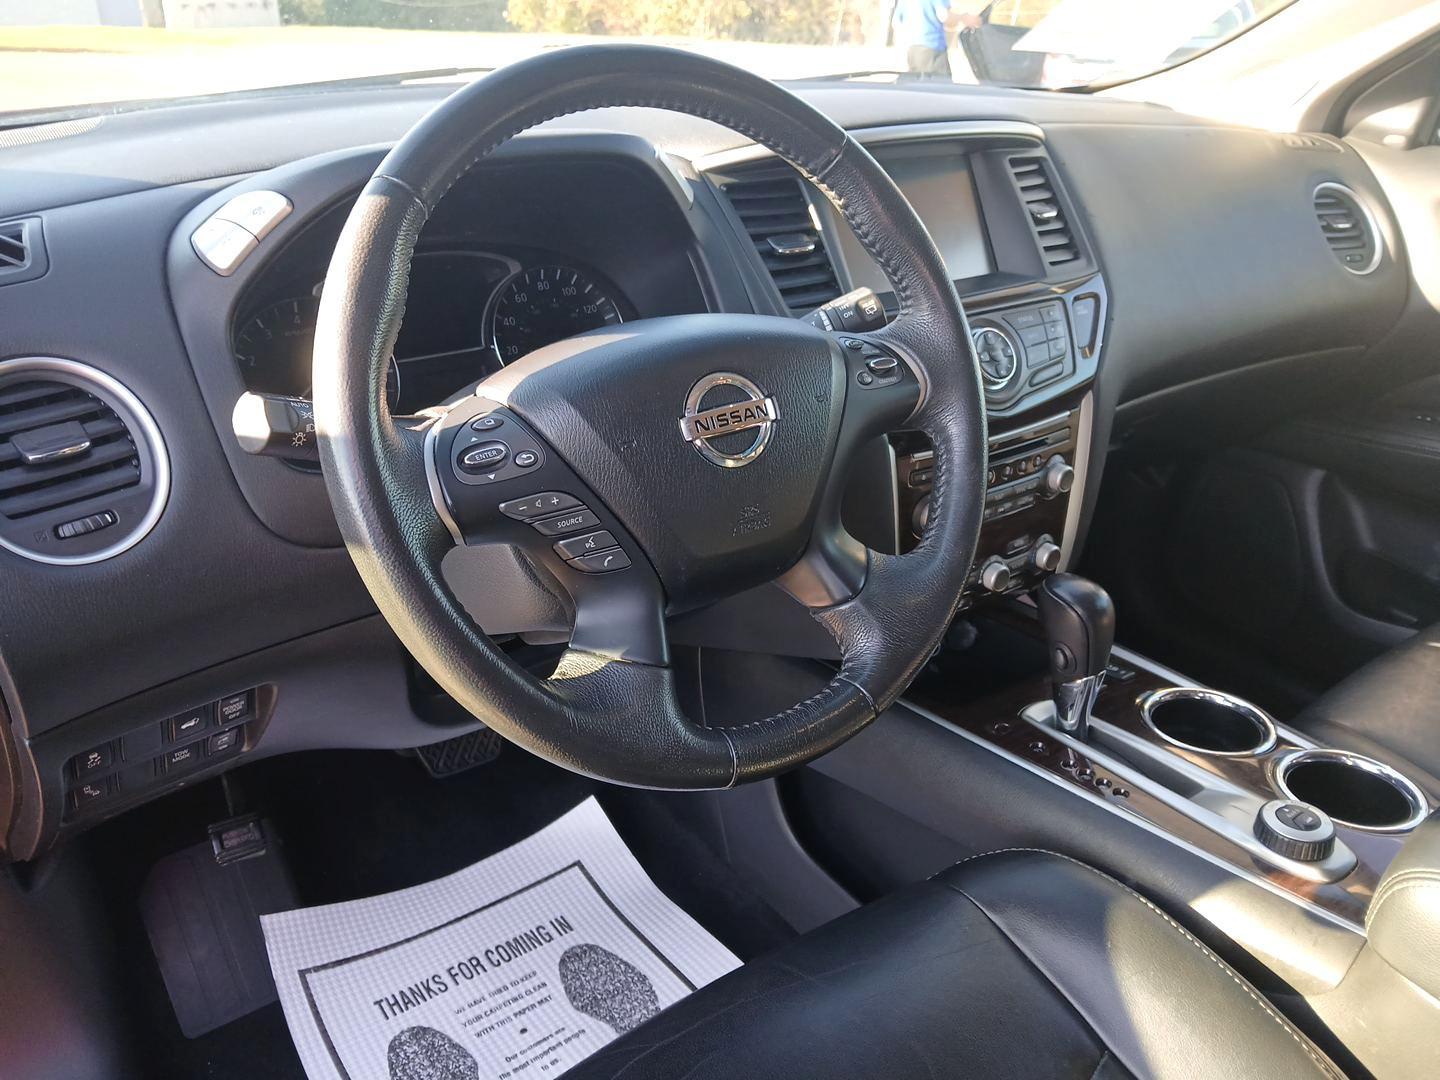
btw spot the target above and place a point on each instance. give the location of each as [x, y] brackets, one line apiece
[460, 753]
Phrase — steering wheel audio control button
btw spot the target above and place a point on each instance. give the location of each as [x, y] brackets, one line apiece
[602, 562]
[526, 459]
[588, 544]
[486, 423]
[539, 505]
[484, 457]
[566, 523]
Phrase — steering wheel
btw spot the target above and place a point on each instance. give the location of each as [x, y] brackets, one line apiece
[655, 467]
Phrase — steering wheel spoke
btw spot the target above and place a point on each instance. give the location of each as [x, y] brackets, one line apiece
[883, 391]
[496, 481]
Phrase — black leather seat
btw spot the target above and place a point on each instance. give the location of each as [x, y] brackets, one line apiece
[1016, 964]
[1389, 709]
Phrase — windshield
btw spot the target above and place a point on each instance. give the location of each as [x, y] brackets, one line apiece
[78, 53]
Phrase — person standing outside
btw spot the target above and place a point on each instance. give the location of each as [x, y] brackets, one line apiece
[923, 27]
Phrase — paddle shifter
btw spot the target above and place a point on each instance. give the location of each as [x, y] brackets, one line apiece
[1079, 623]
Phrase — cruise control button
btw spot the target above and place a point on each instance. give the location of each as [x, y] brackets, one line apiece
[534, 506]
[566, 523]
[882, 366]
[526, 459]
[484, 457]
[584, 545]
[602, 562]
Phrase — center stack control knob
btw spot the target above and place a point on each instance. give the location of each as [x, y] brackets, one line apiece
[1295, 830]
[1058, 477]
[1046, 556]
[995, 575]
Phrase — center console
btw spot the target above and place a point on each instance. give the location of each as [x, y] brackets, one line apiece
[1207, 770]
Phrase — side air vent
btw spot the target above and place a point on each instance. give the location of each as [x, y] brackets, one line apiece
[22, 251]
[1348, 228]
[772, 207]
[83, 472]
[1043, 211]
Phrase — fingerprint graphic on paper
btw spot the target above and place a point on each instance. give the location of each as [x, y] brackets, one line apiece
[422, 1053]
[607, 987]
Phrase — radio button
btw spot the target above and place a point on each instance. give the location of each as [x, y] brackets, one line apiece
[539, 505]
[561, 524]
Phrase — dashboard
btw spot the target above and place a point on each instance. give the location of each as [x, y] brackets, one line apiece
[1113, 259]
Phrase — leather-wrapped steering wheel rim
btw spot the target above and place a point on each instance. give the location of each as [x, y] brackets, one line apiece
[603, 712]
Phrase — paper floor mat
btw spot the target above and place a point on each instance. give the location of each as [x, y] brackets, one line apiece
[521, 965]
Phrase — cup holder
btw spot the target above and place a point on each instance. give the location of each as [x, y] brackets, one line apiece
[1354, 790]
[1208, 722]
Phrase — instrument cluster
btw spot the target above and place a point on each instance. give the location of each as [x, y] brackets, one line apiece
[467, 314]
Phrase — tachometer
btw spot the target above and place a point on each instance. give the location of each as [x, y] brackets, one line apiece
[275, 345]
[546, 304]
[275, 349]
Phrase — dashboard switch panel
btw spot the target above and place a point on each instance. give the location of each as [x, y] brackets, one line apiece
[139, 761]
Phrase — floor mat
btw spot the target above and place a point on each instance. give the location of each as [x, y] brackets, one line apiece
[357, 823]
[529, 960]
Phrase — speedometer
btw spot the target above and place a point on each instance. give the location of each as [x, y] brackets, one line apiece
[546, 304]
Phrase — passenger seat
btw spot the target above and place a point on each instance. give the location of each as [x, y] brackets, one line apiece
[1389, 709]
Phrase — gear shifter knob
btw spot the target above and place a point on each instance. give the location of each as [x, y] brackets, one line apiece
[1079, 623]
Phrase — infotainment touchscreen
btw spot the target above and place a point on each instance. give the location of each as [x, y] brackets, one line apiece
[940, 188]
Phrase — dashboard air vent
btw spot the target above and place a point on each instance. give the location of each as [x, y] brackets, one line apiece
[1348, 228]
[772, 207]
[58, 446]
[1044, 212]
[22, 251]
[83, 473]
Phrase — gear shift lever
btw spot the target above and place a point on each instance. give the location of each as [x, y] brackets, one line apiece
[1079, 623]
